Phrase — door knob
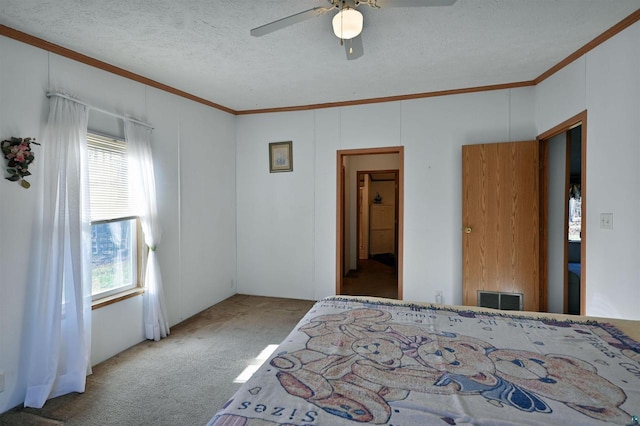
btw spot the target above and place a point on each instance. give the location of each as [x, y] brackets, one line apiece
[467, 230]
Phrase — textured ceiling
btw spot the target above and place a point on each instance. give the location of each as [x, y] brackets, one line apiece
[203, 47]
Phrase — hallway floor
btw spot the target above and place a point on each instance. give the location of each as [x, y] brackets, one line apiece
[372, 279]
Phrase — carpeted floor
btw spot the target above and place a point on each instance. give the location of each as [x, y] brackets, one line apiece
[181, 380]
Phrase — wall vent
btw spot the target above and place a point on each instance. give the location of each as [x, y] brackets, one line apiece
[498, 300]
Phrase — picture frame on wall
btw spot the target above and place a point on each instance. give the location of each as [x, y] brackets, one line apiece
[280, 157]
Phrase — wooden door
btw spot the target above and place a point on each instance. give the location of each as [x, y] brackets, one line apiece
[501, 221]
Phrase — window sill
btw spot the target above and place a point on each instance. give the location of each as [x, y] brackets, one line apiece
[105, 301]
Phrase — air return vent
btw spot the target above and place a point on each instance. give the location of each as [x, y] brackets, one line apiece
[497, 300]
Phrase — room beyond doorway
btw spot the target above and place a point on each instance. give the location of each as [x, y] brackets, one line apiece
[349, 264]
[372, 278]
[565, 147]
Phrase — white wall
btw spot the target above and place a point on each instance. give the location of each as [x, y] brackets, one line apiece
[432, 131]
[275, 210]
[557, 225]
[327, 142]
[605, 82]
[207, 207]
[21, 114]
[194, 158]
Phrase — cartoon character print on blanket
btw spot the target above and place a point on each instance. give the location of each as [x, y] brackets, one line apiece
[355, 363]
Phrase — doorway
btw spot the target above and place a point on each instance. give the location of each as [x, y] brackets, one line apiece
[550, 288]
[351, 235]
[377, 209]
[564, 148]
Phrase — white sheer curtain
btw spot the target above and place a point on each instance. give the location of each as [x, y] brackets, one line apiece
[143, 191]
[58, 360]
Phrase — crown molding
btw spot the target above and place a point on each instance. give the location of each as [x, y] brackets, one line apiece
[68, 53]
[79, 57]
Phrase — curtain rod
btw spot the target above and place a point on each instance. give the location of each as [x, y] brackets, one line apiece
[113, 114]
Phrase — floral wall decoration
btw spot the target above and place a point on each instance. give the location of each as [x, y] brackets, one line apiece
[18, 152]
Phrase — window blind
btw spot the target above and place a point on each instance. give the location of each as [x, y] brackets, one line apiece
[108, 178]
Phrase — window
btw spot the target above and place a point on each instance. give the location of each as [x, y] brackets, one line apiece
[575, 213]
[114, 228]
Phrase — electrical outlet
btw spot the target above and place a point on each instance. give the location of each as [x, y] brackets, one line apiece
[606, 220]
[1, 381]
[439, 298]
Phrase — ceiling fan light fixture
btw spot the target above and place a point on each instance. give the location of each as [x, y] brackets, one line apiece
[347, 24]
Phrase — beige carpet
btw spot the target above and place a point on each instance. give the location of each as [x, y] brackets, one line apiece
[181, 380]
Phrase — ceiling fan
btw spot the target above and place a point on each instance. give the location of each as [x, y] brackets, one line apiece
[347, 23]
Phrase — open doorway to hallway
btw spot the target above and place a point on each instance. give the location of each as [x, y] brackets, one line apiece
[565, 170]
[372, 278]
[369, 217]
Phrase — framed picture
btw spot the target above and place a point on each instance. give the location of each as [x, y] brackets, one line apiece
[280, 157]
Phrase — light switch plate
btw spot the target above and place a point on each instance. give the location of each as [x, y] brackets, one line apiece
[606, 220]
[1, 381]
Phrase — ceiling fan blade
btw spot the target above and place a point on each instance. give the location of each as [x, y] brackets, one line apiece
[289, 20]
[409, 3]
[354, 48]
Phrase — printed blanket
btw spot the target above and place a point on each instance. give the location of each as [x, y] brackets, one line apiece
[376, 362]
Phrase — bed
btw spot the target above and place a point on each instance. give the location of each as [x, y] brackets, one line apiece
[355, 360]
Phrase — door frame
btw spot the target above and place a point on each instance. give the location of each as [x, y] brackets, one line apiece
[579, 119]
[340, 208]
